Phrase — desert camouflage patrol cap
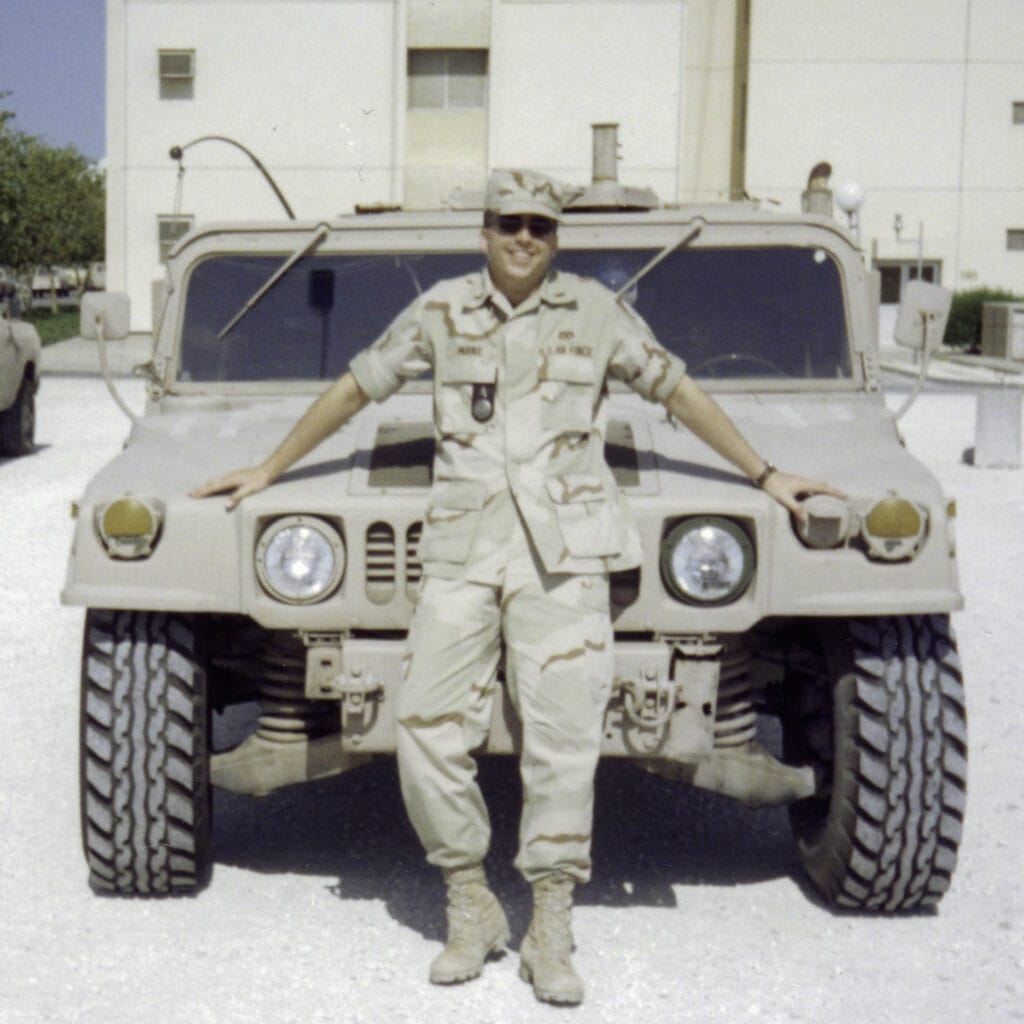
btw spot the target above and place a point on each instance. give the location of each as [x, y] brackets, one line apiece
[523, 191]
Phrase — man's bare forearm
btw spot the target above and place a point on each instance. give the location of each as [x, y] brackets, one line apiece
[332, 410]
[701, 414]
[335, 407]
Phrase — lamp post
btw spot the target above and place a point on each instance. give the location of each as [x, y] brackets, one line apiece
[849, 199]
[897, 227]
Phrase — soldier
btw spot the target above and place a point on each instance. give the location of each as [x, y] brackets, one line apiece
[523, 527]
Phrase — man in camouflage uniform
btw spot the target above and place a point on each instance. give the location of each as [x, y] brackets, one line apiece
[524, 525]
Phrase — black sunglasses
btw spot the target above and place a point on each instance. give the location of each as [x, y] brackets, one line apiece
[539, 227]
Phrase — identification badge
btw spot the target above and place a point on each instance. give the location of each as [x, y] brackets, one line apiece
[483, 401]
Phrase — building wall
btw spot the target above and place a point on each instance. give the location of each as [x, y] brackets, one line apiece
[913, 101]
[318, 91]
[714, 98]
[309, 87]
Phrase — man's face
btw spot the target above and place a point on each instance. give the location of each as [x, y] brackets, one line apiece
[520, 248]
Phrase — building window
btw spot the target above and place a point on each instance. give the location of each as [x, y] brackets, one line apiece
[1018, 112]
[169, 230]
[177, 74]
[447, 79]
[1015, 239]
[896, 273]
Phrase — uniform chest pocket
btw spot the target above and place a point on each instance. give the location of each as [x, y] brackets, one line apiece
[567, 393]
[462, 383]
[585, 514]
[451, 521]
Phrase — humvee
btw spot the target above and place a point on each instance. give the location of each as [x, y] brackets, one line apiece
[834, 632]
[20, 350]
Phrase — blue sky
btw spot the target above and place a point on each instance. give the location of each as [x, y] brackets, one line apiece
[52, 62]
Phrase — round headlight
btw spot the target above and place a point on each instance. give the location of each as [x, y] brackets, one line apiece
[707, 560]
[300, 559]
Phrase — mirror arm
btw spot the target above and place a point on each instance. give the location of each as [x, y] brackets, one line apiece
[101, 338]
[926, 355]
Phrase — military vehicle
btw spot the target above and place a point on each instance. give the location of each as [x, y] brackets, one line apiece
[778, 662]
[19, 381]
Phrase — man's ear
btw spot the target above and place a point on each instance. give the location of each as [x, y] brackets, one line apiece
[483, 239]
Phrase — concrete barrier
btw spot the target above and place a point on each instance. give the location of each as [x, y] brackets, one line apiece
[997, 426]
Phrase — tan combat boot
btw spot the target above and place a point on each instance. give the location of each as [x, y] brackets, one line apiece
[546, 950]
[476, 927]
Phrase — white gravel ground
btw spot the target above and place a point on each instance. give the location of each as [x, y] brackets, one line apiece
[321, 909]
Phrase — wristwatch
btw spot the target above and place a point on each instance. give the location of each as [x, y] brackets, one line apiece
[762, 479]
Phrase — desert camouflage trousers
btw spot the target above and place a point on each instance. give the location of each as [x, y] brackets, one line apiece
[555, 633]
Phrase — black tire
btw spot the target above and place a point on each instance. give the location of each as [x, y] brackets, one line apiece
[886, 726]
[18, 423]
[145, 787]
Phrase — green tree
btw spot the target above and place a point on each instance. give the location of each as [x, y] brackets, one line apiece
[963, 329]
[52, 202]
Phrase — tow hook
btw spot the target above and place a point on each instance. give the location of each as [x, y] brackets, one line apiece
[649, 703]
[330, 676]
[357, 704]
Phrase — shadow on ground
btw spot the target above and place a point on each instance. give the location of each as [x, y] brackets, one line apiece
[650, 834]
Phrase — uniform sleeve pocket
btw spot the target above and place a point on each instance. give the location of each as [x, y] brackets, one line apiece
[585, 514]
[451, 521]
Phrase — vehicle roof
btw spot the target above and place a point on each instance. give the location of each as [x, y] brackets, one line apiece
[621, 221]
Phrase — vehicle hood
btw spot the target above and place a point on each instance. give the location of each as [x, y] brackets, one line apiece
[848, 441]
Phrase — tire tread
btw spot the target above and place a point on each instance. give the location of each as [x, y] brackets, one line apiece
[144, 771]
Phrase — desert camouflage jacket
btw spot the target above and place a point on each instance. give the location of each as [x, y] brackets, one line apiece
[520, 415]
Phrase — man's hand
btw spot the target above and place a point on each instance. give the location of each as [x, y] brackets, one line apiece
[699, 412]
[787, 489]
[238, 484]
[335, 407]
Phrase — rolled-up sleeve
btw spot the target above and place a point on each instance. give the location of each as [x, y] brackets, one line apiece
[401, 353]
[640, 360]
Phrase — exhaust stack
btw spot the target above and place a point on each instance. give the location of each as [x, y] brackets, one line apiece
[605, 193]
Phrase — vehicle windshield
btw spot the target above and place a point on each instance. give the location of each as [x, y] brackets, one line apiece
[766, 313]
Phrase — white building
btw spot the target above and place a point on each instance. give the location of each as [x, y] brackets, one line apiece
[366, 102]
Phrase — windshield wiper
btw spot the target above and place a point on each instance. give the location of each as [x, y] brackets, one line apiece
[664, 254]
[305, 249]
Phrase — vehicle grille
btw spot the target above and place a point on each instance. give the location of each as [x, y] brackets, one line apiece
[385, 572]
[413, 565]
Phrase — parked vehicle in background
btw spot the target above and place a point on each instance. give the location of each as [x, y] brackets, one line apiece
[19, 380]
[834, 632]
[75, 277]
[48, 282]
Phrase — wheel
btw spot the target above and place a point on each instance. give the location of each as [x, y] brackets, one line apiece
[18, 424]
[144, 777]
[885, 723]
